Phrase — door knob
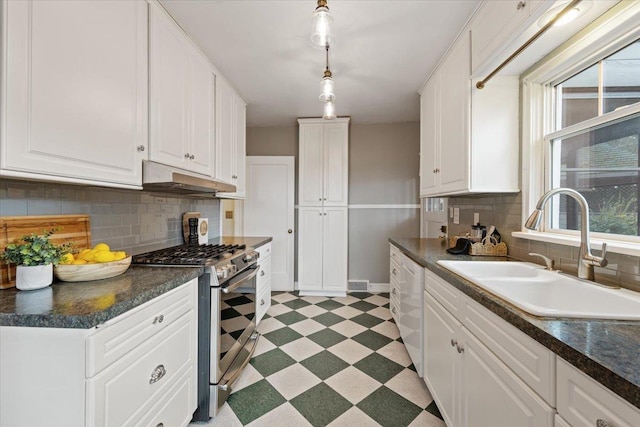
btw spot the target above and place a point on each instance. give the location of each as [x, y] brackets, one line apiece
[289, 231]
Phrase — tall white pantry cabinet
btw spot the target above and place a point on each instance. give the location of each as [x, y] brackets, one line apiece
[323, 218]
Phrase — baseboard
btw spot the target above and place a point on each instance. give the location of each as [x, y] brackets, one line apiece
[379, 287]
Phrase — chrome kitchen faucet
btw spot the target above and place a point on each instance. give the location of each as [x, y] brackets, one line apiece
[586, 260]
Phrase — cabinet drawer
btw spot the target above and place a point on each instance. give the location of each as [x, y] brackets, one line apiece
[263, 301]
[175, 408]
[264, 276]
[394, 307]
[395, 254]
[121, 394]
[264, 251]
[582, 401]
[443, 292]
[530, 360]
[124, 333]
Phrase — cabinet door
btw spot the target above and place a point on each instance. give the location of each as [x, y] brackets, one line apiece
[335, 248]
[169, 96]
[310, 250]
[411, 311]
[442, 361]
[76, 90]
[492, 395]
[225, 144]
[429, 136]
[311, 164]
[336, 164]
[241, 147]
[201, 114]
[455, 94]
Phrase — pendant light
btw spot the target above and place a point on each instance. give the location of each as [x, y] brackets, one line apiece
[321, 22]
[326, 85]
[329, 111]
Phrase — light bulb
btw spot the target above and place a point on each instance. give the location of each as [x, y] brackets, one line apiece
[567, 17]
[327, 89]
[329, 110]
[321, 24]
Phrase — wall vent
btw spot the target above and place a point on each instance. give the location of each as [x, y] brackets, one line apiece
[358, 285]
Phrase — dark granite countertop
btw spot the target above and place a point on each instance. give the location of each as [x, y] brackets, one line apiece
[606, 350]
[84, 305]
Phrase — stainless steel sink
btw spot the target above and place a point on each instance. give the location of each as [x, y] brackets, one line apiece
[548, 293]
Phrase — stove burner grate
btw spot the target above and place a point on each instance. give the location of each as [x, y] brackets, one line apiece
[188, 255]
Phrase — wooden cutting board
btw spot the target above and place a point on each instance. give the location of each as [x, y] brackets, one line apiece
[74, 229]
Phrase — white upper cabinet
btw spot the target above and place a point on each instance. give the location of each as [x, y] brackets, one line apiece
[496, 23]
[230, 138]
[74, 95]
[181, 98]
[469, 139]
[324, 162]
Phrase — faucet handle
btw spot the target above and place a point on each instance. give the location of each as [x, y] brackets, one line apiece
[548, 261]
[602, 260]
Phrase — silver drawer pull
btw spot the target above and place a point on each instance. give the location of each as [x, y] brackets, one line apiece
[394, 291]
[453, 342]
[459, 348]
[261, 302]
[157, 374]
[602, 423]
[158, 319]
[394, 310]
[395, 271]
[262, 273]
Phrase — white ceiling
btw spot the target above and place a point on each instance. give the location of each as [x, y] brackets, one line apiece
[383, 53]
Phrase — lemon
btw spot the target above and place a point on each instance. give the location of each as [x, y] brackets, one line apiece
[78, 261]
[81, 253]
[104, 256]
[101, 247]
[88, 256]
[66, 258]
[119, 255]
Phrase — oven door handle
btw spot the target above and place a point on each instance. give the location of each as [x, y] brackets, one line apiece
[237, 283]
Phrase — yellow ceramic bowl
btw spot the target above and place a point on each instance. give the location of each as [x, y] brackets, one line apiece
[86, 272]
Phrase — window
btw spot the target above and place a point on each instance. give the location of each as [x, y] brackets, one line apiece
[598, 154]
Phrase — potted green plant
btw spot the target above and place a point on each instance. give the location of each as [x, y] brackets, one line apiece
[34, 256]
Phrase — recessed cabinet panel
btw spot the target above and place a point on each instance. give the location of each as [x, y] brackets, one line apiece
[336, 165]
[201, 127]
[429, 124]
[76, 90]
[225, 146]
[334, 247]
[310, 250]
[311, 161]
[169, 101]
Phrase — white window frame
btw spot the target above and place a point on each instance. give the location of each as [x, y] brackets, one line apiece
[608, 34]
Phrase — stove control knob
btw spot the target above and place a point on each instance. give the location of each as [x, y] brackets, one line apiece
[222, 272]
[251, 256]
[231, 268]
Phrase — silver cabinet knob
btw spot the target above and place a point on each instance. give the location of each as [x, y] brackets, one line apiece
[320, 199]
[602, 423]
[262, 302]
[459, 348]
[521, 5]
[394, 272]
[158, 319]
[192, 157]
[288, 231]
[262, 273]
[453, 342]
[394, 310]
[140, 148]
[160, 425]
[186, 155]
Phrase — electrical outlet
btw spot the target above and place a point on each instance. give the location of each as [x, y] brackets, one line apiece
[476, 218]
[456, 215]
[450, 212]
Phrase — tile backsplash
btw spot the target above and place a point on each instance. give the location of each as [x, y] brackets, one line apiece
[505, 212]
[129, 220]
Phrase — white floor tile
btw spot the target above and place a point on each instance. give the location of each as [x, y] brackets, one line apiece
[348, 328]
[426, 419]
[314, 299]
[307, 327]
[381, 312]
[387, 329]
[278, 309]
[350, 351]
[268, 325]
[293, 380]
[311, 310]
[377, 300]
[353, 384]
[347, 300]
[410, 386]
[347, 312]
[354, 417]
[248, 376]
[287, 296]
[301, 349]
[263, 346]
[284, 415]
[396, 352]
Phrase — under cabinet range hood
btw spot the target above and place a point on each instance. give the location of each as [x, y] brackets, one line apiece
[166, 179]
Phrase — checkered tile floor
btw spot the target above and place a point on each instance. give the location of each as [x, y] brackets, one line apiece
[329, 362]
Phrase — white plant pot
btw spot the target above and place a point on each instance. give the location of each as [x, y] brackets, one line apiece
[34, 277]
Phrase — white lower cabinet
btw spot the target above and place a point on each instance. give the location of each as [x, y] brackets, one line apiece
[473, 384]
[263, 284]
[137, 369]
[406, 303]
[582, 402]
[322, 250]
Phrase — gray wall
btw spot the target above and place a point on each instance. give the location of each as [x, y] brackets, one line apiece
[504, 211]
[383, 170]
[129, 220]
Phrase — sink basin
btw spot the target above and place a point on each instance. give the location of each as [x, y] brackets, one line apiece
[547, 293]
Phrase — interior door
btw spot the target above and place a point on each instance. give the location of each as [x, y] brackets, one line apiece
[269, 211]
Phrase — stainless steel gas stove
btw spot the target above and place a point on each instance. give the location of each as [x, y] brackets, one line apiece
[226, 314]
